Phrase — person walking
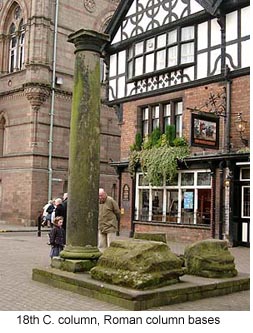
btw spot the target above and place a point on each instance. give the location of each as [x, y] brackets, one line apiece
[109, 218]
[57, 237]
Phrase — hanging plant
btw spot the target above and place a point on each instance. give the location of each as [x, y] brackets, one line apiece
[161, 163]
[158, 157]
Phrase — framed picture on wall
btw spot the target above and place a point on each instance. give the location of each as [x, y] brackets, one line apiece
[205, 130]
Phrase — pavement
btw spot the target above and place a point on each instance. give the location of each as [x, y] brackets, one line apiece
[21, 250]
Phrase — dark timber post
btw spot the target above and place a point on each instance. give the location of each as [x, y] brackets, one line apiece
[84, 152]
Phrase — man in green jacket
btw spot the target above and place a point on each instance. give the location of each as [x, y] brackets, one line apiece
[109, 217]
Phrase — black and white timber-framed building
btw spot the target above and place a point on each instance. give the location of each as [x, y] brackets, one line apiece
[185, 63]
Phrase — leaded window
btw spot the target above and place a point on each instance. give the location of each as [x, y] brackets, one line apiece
[168, 50]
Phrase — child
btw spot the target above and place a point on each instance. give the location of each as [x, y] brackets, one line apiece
[57, 237]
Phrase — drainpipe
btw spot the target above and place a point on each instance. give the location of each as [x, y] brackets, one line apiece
[50, 141]
[221, 204]
[228, 110]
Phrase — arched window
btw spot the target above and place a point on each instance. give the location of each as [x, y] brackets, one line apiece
[16, 40]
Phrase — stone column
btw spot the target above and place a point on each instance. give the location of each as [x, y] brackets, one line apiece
[84, 152]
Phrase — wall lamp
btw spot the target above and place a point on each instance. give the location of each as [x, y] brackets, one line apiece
[240, 127]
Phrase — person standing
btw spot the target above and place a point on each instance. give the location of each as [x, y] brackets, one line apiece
[59, 209]
[109, 217]
[57, 237]
[65, 204]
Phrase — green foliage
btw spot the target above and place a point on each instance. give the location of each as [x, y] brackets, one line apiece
[138, 142]
[170, 132]
[157, 158]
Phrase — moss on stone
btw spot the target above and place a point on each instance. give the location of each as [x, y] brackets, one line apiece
[138, 264]
[210, 258]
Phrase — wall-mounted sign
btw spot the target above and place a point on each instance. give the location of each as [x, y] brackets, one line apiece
[126, 193]
[205, 130]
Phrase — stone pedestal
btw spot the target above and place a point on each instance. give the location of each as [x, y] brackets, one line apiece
[84, 150]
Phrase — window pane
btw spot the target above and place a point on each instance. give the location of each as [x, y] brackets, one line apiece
[187, 53]
[246, 202]
[245, 173]
[187, 33]
[160, 59]
[139, 66]
[157, 205]
[149, 63]
[204, 207]
[143, 205]
[150, 44]
[204, 178]
[187, 216]
[172, 206]
[145, 114]
[172, 56]
[130, 69]
[161, 41]
[139, 48]
[155, 116]
[172, 37]
[142, 181]
[187, 179]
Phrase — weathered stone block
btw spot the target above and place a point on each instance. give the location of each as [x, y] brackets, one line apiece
[71, 265]
[153, 236]
[210, 258]
[138, 264]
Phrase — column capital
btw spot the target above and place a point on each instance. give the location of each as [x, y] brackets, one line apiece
[88, 40]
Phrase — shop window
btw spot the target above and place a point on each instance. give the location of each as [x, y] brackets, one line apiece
[185, 200]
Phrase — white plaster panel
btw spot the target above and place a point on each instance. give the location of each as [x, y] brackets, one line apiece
[112, 85]
[113, 65]
[231, 26]
[202, 35]
[215, 33]
[201, 65]
[195, 7]
[246, 28]
[117, 37]
[130, 88]
[190, 74]
[122, 62]
[232, 51]
[214, 57]
[121, 86]
[246, 54]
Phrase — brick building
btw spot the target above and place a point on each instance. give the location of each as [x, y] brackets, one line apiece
[36, 82]
[181, 68]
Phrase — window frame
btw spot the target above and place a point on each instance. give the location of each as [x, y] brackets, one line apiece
[169, 188]
[149, 121]
[132, 57]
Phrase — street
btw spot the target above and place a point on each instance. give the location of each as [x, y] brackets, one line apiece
[20, 252]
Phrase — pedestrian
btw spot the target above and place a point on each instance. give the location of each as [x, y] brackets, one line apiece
[47, 212]
[109, 217]
[57, 237]
[59, 209]
[65, 204]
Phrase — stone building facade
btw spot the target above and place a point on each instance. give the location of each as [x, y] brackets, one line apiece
[36, 82]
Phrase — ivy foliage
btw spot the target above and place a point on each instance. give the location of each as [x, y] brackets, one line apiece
[158, 155]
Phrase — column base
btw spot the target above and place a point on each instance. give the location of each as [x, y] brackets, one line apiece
[76, 258]
[71, 265]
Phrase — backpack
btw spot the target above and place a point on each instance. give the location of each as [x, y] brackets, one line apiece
[50, 209]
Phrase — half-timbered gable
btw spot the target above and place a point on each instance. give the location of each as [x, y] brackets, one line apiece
[158, 45]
